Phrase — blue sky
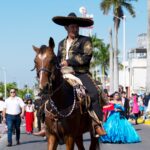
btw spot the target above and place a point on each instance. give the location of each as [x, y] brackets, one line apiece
[24, 23]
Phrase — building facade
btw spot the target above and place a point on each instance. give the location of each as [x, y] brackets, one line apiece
[136, 67]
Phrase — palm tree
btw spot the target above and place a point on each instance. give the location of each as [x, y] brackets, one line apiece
[117, 6]
[111, 64]
[100, 55]
[148, 50]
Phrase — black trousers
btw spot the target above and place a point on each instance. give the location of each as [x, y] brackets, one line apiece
[90, 85]
[1, 118]
[39, 122]
[40, 119]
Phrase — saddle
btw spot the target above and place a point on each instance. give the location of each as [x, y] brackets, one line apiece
[81, 93]
[76, 83]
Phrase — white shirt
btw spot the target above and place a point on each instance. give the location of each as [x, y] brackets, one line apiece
[2, 105]
[29, 108]
[148, 107]
[123, 100]
[68, 44]
[13, 105]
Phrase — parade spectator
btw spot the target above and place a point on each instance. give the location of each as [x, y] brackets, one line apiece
[117, 127]
[141, 105]
[1, 107]
[125, 102]
[39, 113]
[135, 108]
[148, 108]
[146, 100]
[105, 112]
[29, 116]
[13, 112]
[40, 116]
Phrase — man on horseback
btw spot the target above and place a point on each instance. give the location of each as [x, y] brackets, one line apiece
[76, 51]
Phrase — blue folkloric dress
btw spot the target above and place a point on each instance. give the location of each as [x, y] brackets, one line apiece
[119, 129]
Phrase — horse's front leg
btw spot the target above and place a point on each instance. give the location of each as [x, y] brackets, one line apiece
[52, 142]
[79, 142]
[94, 143]
[69, 143]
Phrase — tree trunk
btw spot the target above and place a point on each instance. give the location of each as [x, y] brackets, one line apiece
[111, 64]
[148, 50]
[116, 71]
[103, 77]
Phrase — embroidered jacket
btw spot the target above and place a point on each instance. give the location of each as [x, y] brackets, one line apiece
[80, 53]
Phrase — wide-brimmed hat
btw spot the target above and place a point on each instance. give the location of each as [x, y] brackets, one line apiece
[73, 19]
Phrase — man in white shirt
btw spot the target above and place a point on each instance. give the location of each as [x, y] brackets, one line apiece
[13, 112]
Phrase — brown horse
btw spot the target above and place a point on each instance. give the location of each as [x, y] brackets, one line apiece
[64, 121]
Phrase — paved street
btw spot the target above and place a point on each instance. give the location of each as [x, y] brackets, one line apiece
[30, 142]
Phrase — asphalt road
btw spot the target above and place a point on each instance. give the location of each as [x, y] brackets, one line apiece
[30, 142]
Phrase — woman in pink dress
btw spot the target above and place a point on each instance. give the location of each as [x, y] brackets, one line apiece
[135, 108]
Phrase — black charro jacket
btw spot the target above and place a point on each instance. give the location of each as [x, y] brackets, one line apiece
[80, 53]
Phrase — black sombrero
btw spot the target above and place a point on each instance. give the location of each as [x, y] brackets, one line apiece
[72, 19]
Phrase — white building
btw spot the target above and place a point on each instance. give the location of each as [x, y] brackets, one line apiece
[135, 74]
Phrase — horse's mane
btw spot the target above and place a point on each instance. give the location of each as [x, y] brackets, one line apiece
[42, 49]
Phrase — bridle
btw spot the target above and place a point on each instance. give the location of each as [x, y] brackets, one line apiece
[44, 70]
[50, 74]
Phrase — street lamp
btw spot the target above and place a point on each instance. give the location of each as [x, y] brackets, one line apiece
[84, 14]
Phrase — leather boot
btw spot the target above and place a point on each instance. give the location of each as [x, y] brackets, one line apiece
[40, 133]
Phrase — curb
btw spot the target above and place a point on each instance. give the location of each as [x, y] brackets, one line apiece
[147, 122]
[140, 121]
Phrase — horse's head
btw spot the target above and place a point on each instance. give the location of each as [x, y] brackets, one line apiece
[44, 63]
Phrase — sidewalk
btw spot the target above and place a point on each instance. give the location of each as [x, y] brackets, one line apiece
[3, 136]
[2, 130]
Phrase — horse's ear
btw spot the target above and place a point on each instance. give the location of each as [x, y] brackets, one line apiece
[51, 43]
[36, 49]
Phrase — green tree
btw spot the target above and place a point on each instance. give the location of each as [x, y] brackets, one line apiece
[20, 92]
[100, 55]
[117, 6]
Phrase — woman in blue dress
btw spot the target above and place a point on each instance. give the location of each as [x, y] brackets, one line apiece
[117, 127]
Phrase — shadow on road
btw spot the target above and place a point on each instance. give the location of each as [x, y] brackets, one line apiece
[34, 141]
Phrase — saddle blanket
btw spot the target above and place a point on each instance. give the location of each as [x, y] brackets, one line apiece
[77, 84]
[72, 77]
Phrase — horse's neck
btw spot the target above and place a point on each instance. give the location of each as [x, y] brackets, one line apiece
[63, 92]
[58, 81]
